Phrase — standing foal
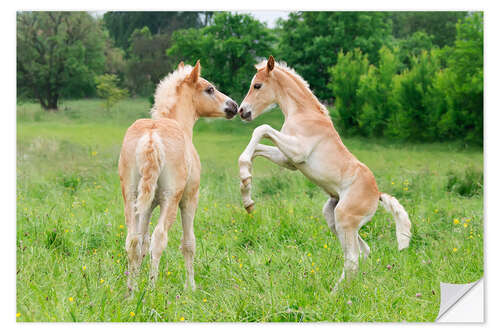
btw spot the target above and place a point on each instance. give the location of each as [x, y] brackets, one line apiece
[159, 165]
[309, 142]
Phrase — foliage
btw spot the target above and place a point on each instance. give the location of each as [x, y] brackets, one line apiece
[345, 80]
[414, 117]
[437, 95]
[58, 54]
[311, 42]
[375, 94]
[228, 49]
[148, 62]
[413, 46]
[439, 25]
[462, 83]
[122, 25]
[107, 89]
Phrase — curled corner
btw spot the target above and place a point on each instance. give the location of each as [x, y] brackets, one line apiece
[454, 297]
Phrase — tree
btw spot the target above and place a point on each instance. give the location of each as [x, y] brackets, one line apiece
[462, 82]
[122, 25]
[228, 49]
[439, 25]
[413, 46]
[58, 54]
[311, 41]
[148, 62]
[107, 88]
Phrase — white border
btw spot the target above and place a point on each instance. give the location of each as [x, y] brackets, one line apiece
[492, 110]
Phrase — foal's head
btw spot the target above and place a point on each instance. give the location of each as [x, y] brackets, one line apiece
[208, 101]
[261, 94]
[185, 85]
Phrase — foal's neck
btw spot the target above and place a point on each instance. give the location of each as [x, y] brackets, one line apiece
[184, 112]
[294, 98]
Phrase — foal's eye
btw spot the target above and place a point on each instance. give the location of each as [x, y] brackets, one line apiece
[209, 90]
[257, 85]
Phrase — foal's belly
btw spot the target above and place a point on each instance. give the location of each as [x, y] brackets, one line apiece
[328, 177]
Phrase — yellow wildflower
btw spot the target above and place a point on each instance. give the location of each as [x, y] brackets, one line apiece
[168, 273]
[465, 225]
[455, 249]
[121, 226]
[182, 318]
[456, 221]
[70, 299]
[18, 315]
[241, 265]
[325, 246]
[132, 314]
[204, 300]
[101, 281]
[84, 267]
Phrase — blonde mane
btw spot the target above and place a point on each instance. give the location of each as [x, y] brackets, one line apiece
[166, 92]
[299, 79]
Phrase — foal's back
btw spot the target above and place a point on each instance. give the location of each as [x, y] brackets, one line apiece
[162, 142]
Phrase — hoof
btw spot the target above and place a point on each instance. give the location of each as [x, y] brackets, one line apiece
[250, 207]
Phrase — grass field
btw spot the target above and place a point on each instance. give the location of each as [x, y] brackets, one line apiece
[277, 264]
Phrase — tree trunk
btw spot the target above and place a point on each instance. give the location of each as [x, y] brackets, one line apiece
[52, 105]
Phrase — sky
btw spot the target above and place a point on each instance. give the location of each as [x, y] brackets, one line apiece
[270, 17]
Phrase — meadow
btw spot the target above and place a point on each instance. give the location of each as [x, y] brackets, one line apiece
[276, 264]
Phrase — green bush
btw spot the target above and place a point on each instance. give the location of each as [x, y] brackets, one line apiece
[345, 80]
[375, 93]
[415, 118]
[108, 90]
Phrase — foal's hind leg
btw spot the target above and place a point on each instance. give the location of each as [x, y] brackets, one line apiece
[137, 244]
[329, 213]
[188, 246]
[168, 214]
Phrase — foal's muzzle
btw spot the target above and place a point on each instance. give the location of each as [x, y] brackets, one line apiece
[245, 114]
[231, 109]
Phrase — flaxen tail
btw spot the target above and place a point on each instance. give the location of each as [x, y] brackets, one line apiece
[149, 155]
[403, 224]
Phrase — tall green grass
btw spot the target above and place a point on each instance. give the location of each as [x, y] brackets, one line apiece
[277, 264]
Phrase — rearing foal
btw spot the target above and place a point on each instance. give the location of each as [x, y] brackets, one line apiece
[159, 165]
[309, 142]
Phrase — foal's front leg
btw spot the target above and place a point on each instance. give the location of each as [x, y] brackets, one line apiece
[289, 151]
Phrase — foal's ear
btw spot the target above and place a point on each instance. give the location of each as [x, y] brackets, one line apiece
[270, 64]
[195, 73]
[181, 65]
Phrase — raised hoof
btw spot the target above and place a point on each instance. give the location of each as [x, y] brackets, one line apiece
[250, 208]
